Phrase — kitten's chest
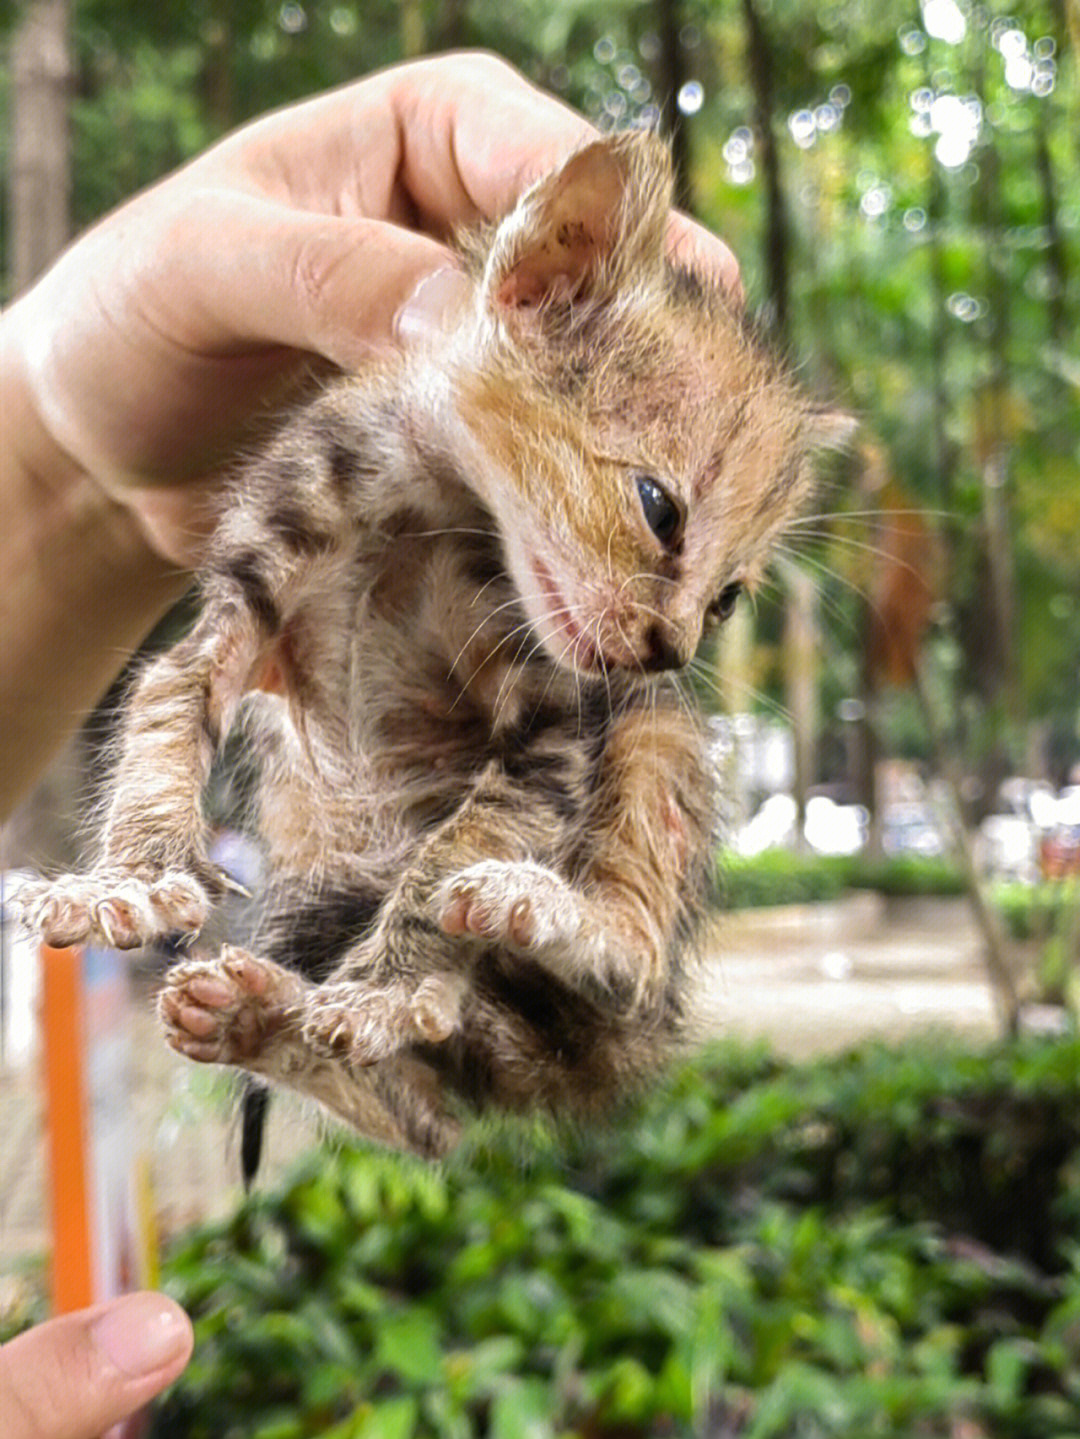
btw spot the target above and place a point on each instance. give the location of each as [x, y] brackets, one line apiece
[445, 678]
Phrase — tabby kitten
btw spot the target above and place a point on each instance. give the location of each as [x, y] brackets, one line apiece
[447, 598]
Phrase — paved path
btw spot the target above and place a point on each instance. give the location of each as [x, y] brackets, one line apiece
[816, 979]
[810, 981]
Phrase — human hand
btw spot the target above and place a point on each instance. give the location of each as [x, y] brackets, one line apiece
[77, 1376]
[154, 342]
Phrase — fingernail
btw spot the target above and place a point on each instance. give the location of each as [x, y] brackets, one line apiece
[142, 1333]
[435, 301]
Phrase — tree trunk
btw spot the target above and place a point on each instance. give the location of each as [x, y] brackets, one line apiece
[777, 232]
[801, 663]
[411, 29]
[39, 181]
[43, 831]
[671, 78]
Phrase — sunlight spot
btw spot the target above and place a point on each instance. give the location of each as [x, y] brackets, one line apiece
[957, 124]
[876, 201]
[965, 307]
[292, 18]
[803, 128]
[944, 20]
[691, 97]
[912, 40]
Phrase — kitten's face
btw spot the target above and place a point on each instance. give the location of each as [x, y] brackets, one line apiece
[636, 507]
[643, 452]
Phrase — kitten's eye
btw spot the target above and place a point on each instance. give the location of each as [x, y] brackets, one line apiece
[662, 515]
[725, 602]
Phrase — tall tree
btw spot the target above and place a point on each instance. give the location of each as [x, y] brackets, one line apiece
[39, 199]
[39, 180]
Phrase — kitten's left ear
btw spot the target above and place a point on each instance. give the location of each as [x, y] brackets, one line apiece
[829, 429]
[577, 232]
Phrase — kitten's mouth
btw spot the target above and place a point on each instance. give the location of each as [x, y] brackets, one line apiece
[578, 652]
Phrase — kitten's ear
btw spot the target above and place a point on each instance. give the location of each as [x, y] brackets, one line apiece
[577, 232]
[829, 429]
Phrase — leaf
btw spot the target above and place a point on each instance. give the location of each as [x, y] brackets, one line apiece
[523, 1409]
[408, 1344]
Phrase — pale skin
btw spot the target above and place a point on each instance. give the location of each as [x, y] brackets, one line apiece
[129, 376]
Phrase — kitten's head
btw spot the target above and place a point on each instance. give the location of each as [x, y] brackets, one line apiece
[639, 449]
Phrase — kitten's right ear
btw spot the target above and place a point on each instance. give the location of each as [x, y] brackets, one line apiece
[579, 230]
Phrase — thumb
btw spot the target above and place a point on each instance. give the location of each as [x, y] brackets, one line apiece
[76, 1376]
[330, 285]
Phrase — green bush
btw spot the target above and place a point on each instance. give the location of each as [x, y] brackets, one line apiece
[1034, 911]
[780, 876]
[881, 1244]
[907, 875]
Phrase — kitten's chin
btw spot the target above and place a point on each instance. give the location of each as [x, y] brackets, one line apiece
[555, 625]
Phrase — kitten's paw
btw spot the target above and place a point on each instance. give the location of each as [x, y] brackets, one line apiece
[522, 904]
[111, 908]
[225, 1010]
[362, 1025]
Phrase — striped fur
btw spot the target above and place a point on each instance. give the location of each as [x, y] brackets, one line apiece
[440, 608]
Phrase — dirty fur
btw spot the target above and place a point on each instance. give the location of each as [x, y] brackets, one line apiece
[446, 603]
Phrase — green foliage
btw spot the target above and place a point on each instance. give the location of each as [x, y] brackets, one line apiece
[884, 1243]
[1034, 911]
[779, 876]
[907, 874]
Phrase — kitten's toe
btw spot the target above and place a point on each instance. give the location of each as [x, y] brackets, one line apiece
[124, 916]
[436, 1006]
[180, 902]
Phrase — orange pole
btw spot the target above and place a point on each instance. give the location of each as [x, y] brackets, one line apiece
[65, 1088]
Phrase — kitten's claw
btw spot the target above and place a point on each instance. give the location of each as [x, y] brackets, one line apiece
[223, 1010]
[112, 909]
[522, 904]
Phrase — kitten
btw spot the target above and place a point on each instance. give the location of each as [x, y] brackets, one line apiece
[449, 597]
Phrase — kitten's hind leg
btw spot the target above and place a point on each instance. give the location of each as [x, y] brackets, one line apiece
[511, 902]
[242, 1009]
[252, 1013]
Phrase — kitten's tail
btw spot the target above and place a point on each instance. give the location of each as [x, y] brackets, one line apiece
[254, 1101]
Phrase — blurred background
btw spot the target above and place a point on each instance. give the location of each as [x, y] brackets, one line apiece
[901, 183]
[895, 720]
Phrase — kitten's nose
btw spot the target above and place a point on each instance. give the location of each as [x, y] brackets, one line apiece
[665, 649]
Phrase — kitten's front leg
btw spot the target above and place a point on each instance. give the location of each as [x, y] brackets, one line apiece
[618, 927]
[153, 876]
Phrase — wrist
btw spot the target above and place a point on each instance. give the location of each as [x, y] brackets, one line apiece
[82, 586]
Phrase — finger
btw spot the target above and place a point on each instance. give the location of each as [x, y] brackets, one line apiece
[476, 134]
[323, 284]
[77, 1376]
[690, 244]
